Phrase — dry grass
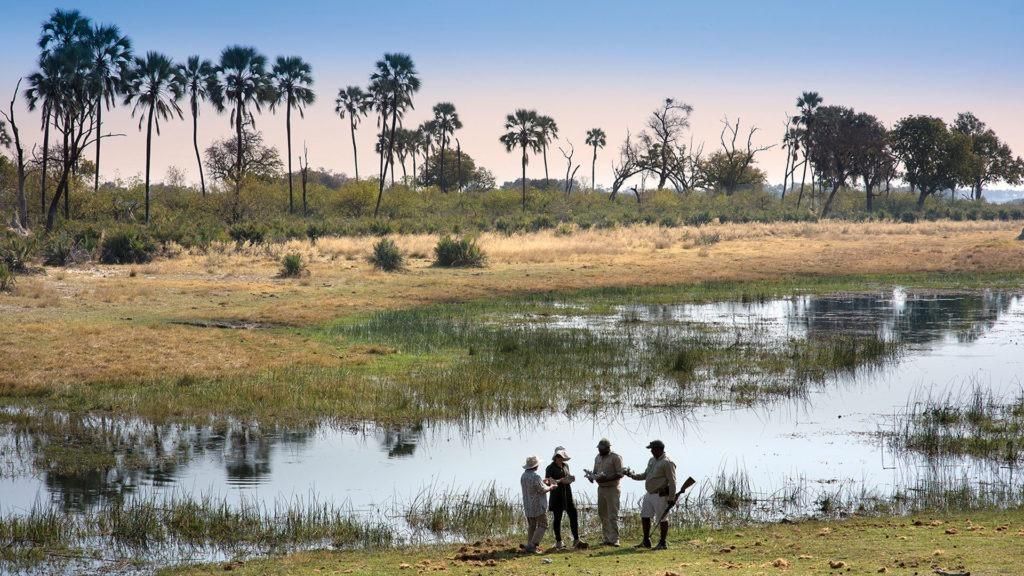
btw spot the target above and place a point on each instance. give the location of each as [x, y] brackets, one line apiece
[98, 323]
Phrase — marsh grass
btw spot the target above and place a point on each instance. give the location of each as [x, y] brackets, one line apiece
[976, 424]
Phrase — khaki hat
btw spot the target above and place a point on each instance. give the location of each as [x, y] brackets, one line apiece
[531, 462]
[604, 442]
[560, 451]
[656, 444]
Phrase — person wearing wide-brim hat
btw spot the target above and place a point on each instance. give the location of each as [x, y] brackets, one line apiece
[535, 503]
[561, 500]
[660, 483]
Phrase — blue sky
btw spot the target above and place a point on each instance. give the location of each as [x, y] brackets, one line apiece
[584, 63]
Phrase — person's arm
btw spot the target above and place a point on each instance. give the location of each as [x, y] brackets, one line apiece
[670, 478]
[541, 487]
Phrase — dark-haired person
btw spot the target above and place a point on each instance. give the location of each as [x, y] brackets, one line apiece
[561, 500]
[660, 483]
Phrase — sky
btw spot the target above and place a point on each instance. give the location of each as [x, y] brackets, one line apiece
[587, 64]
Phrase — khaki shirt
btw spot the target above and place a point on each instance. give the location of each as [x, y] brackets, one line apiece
[608, 466]
[660, 476]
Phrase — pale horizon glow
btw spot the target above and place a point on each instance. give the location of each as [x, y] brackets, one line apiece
[586, 64]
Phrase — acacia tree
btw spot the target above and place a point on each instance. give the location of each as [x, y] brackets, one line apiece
[111, 59]
[200, 83]
[291, 80]
[446, 121]
[934, 158]
[596, 138]
[523, 130]
[549, 133]
[991, 159]
[354, 103]
[155, 89]
[732, 167]
[246, 87]
[392, 86]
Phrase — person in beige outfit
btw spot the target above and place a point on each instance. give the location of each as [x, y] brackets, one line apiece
[660, 482]
[607, 472]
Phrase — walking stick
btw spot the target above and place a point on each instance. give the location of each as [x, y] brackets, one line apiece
[686, 484]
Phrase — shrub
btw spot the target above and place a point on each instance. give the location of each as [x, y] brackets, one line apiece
[61, 250]
[16, 253]
[708, 238]
[6, 278]
[247, 232]
[699, 219]
[458, 252]
[314, 232]
[386, 255]
[908, 217]
[127, 247]
[292, 266]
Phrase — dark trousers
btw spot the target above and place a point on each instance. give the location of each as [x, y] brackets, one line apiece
[574, 522]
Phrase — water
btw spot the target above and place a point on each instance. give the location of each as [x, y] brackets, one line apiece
[825, 439]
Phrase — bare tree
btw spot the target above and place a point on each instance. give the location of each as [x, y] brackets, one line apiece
[19, 157]
[570, 172]
[666, 125]
[304, 170]
[732, 166]
[629, 165]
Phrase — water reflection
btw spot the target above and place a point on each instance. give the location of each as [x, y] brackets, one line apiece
[78, 461]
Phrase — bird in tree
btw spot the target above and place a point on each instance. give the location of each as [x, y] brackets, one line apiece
[200, 83]
[292, 79]
[808, 102]
[522, 130]
[111, 59]
[354, 103]
[246, 87]
[549, 133]
[447, 121]
[155, 89]
[392, 85]
[596, 138]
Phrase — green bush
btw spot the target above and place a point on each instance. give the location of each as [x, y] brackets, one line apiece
[17, 252]
[6, 278]
[292, 266]
[386, 255]
[127, 247]
[247, 232]
[908, 217]
[61, 249]
[314, 232]
[458, 252]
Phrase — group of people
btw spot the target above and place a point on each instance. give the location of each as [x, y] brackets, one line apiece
[553, 492]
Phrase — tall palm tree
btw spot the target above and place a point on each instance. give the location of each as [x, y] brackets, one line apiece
[549, 133]
[426, 140]
[355, 103]
[597, 139]
[111, 59]
[447, 122]
[392, 85]
[63, 28]
[245, 88]
[291, 79]
[808, 102]
[199, 82]
[522, 130]
[154, 90]
[44, 91]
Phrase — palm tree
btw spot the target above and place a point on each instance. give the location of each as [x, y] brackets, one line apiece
[447, 122]
[155, 90]
[392, 86]
[549, 132]
[426, 140]
[596, 138]
[245, 87]
[45, 91]
[354, 102]
[292, 78]
[523, 131]
[808, 102]
[111, 58]
[200, 83]
[63, 28]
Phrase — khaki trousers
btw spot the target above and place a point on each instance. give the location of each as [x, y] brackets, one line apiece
[608, 511]
[535, 528]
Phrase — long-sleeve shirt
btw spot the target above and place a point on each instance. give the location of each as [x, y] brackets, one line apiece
[535, 494]
[660, 476]
[607, 467]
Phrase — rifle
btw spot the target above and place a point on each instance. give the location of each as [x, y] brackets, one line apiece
[686, 484]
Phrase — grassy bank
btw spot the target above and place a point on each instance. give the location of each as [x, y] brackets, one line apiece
[982, 543]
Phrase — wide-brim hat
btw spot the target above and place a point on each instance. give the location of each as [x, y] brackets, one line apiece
[656, 444]
[560, 451]
[531, 462]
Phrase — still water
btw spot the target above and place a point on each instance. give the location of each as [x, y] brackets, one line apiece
[828, 438]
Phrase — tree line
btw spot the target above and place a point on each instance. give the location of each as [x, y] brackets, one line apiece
[85, 69]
